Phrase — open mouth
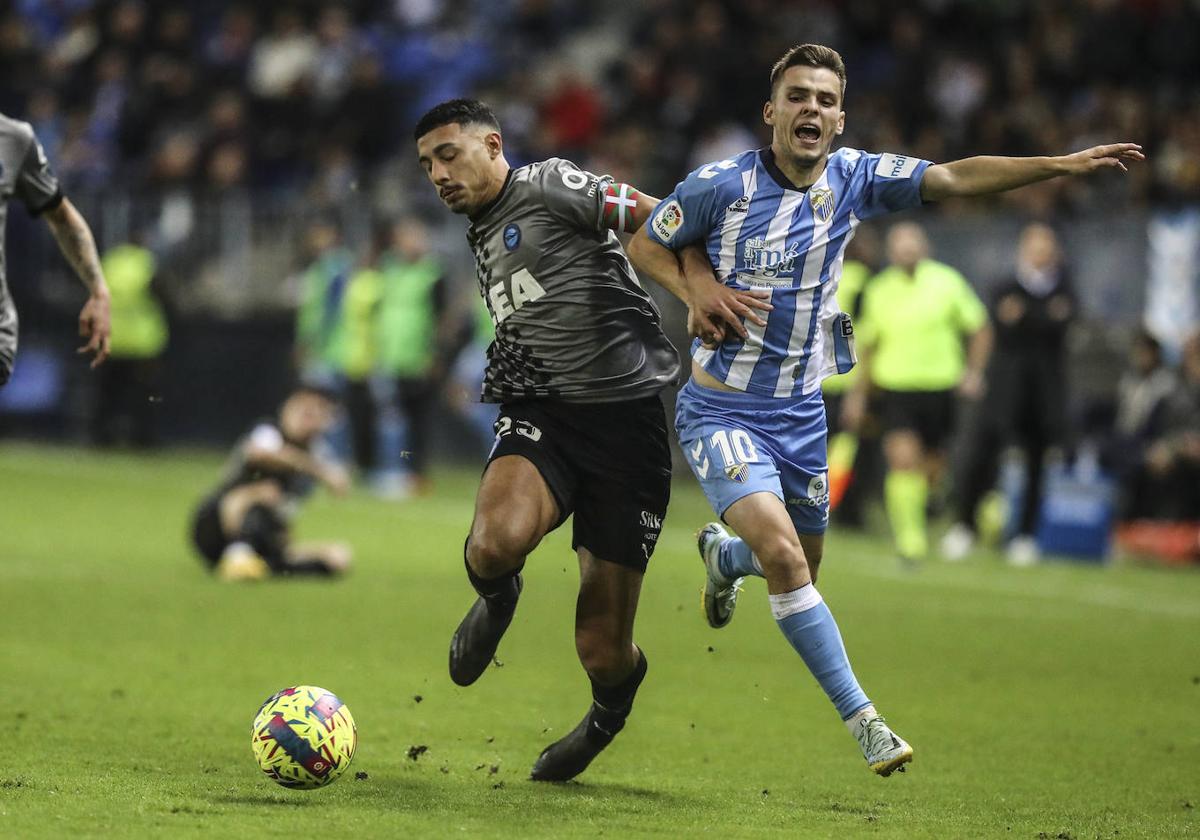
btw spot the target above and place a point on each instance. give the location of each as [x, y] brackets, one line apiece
[808, 133]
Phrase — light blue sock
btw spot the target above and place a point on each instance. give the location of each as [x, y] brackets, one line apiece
[737, 560]
[808, 624]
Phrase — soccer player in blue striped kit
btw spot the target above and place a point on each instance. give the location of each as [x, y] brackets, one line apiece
[751, 420]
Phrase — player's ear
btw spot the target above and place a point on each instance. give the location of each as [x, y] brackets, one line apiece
[769, 113]
[841, 122]
[494, 144]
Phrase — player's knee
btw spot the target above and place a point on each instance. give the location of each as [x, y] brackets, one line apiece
[498, 547]
[606, 658]
[781, 554]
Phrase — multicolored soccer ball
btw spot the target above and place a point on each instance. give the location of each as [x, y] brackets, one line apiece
[304, 737]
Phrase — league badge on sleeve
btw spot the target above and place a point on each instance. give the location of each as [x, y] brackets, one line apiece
[667, 220]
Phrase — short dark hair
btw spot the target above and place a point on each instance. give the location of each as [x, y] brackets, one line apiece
[810, 55]
[462, 111]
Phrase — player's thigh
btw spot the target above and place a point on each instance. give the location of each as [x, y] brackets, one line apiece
[514, 503]
[604, 615]
[762, 520]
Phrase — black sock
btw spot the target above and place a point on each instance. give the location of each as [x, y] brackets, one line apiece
[502, 590]
[613, 703]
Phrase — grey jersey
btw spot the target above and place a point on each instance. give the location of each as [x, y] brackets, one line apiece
[24, 173]
[572, 321]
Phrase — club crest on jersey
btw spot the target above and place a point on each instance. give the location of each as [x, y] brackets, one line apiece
[668, 220]
[740, 206]
[821, 199]
[737, 472]
[767, 263]
[512, 237]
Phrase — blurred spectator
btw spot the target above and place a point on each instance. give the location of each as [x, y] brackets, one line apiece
[1025, 399]
[413, 334]
[915, 315]
[127, 386]
[1142, 395]
[1165, 482]
[319, 326]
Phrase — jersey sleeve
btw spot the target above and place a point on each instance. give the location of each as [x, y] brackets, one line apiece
[36, 184]
[888, 183]
[686, 215]
[572, 194]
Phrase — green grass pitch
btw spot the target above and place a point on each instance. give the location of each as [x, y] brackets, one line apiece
[1054, 702]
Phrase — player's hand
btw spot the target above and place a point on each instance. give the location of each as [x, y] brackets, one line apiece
[1103, 157]
[95, 326]
[710, 337]
[714, 303]
[336, 479]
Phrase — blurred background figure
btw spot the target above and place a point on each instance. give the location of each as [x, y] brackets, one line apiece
[915, 316]
[413, 336]
[848, 456]
[1143, 393]
[242, 530]
[1025, 394]
[319, 326]
[128, 388]
[357, 354]
[475, 334]
[1167, 483]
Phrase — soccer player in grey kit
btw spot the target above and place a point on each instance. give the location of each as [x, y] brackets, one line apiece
[577, 364]
[25, 173]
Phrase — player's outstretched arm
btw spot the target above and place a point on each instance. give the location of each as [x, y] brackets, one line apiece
[712, 306]
[295, 459]
[991, 174]
[75, 240]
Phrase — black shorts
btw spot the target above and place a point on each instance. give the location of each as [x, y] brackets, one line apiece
[609, 464]
[928, 413]
[207, 536]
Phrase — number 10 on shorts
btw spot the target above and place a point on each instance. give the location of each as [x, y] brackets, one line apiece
[733, 446]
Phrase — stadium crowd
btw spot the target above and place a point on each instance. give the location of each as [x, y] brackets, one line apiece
[309, 97]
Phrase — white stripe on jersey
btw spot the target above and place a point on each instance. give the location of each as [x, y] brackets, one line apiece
[810, 278]
[731, 228]
[742, 366]
[821, 362]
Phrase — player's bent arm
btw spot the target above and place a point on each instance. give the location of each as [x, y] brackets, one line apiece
[288, 457]
[78, 246]
[689, 276]
[991, 174]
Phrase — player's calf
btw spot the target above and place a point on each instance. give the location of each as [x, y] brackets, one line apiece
[611, 704]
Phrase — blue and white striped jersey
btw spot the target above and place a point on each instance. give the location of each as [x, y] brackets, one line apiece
[761, 232]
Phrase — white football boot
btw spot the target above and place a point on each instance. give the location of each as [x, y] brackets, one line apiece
[884, 750]
[720, 592]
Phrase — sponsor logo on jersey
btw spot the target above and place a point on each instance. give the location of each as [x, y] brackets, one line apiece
[737, 472]
[821, 199]
[896, 166]
[740, 206]
[667, 220]
[768, 263]
[512, 237]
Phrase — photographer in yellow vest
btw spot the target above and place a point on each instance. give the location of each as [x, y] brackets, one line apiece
[127, 387]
